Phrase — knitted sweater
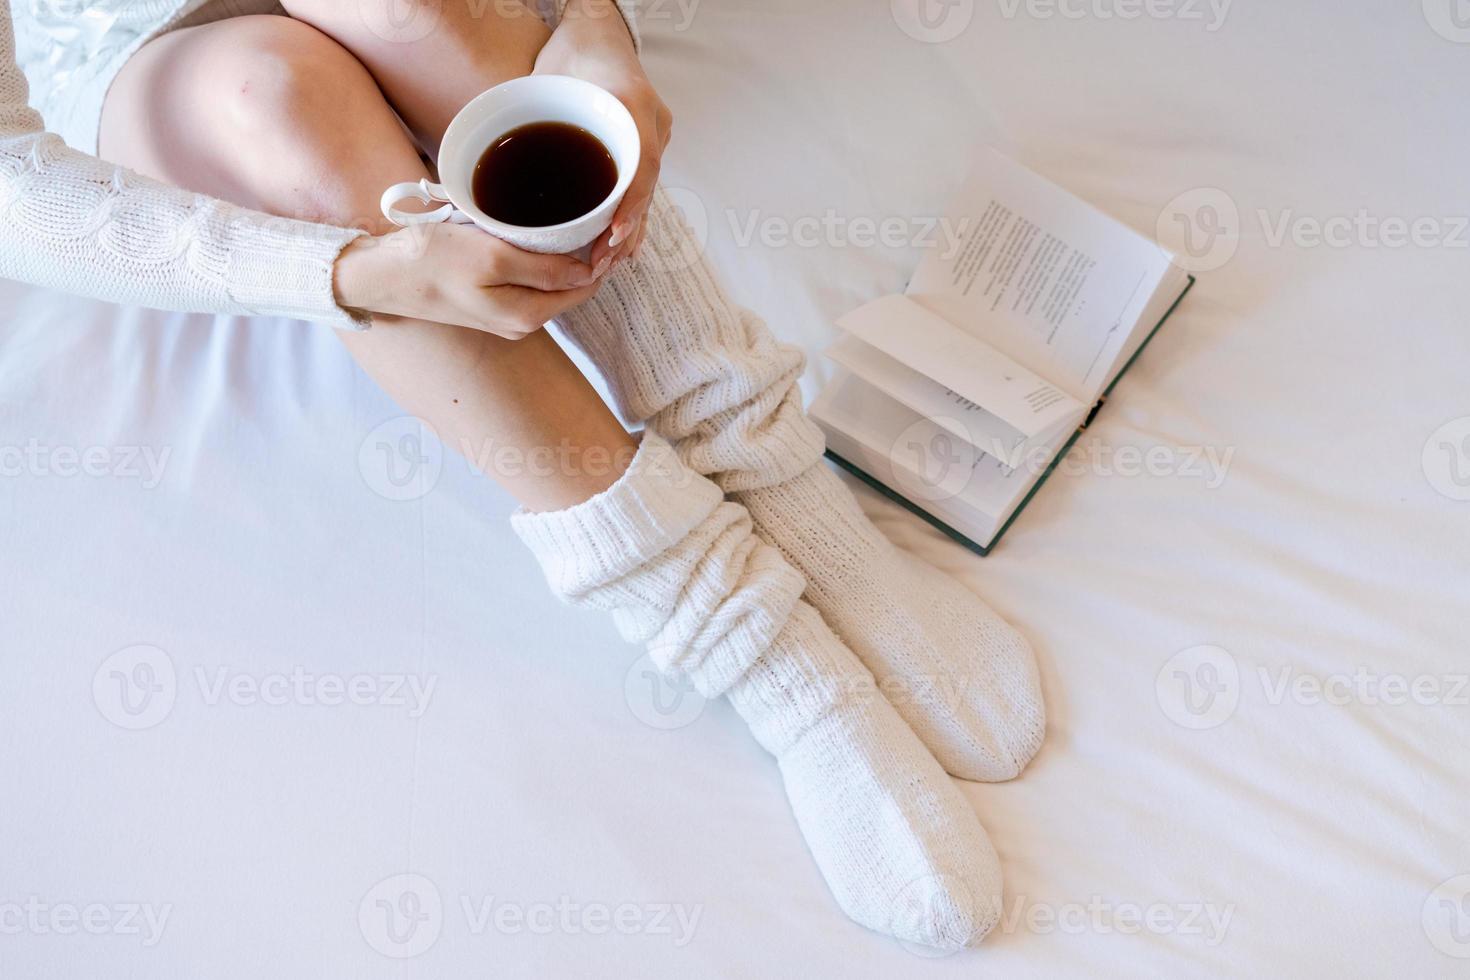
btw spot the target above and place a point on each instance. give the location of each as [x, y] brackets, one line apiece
[73, 222]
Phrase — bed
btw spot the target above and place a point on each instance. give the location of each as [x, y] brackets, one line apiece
[283, 697]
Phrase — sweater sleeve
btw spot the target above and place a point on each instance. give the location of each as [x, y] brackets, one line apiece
[71, 221]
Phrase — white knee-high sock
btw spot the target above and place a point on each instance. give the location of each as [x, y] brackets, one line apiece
[711, 378]
[680, 569]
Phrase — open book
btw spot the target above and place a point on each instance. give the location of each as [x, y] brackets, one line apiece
[957, 397]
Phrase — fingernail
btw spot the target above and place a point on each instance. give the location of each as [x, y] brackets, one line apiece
[619, 233]
[602, 267]
[591, 276]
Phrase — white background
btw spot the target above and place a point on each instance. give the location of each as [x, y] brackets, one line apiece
[540, 770]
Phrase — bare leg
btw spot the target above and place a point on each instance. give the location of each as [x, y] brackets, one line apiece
[271, 113]
[711, 377]
[446, 53]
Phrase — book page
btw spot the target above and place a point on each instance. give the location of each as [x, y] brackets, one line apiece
[1171, 288]
[945, 408]
[1040, 275]
[972, 492]
[966, 365]
[910, 453]
[906, 386]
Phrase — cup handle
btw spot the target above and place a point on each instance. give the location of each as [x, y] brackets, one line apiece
[426, 192]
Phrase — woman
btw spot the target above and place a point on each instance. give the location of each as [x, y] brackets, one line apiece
[719, 538]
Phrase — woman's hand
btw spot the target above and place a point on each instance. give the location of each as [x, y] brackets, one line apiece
[460, 275]
[592, 43]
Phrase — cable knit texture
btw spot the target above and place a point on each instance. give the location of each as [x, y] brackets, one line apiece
[711, 378]
[681, 570]
[73, 222]
[70, 221]
[711, 603]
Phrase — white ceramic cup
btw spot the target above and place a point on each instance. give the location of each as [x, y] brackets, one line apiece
[492, 114]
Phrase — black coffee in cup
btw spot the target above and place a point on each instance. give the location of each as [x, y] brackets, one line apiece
[543, 173]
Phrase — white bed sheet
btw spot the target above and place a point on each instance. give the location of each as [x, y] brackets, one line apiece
[1287, 838]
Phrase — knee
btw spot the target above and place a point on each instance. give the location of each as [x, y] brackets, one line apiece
[299, 117]
[273, 71]
[264, 111]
